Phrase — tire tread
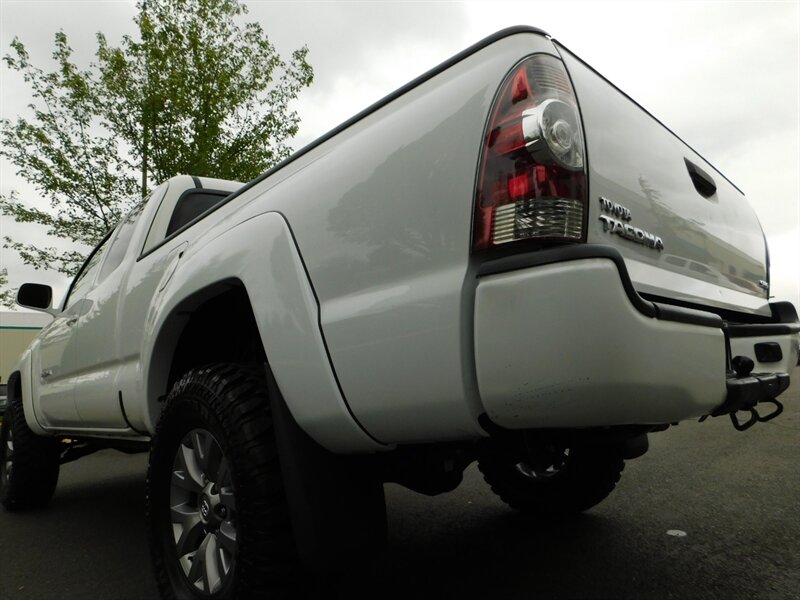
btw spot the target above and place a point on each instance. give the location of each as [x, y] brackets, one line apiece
[235, 398]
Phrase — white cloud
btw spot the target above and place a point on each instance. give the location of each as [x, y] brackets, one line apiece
[724, 76]
[784, 252]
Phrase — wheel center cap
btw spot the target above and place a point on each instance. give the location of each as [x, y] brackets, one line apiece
[205, 508]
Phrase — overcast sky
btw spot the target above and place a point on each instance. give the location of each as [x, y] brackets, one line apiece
[725, 76]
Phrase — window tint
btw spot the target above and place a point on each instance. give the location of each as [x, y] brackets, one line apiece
[191, 206]
[83, 282]
[121, 240]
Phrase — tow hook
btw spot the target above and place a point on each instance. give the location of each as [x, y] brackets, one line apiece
[747, 389]
[755, 417]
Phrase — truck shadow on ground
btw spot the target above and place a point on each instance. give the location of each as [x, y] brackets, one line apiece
[500, 555]
[92, 543]
[434, 550]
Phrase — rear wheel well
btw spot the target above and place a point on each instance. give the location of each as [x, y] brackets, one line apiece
[222, 329]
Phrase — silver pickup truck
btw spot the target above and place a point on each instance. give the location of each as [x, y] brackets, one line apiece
[507, 260]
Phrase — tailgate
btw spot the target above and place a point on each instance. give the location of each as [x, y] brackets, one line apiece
[685, 231]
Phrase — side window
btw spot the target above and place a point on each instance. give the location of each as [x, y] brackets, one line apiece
[178, 209]
[116, 252]
[190, 206]
[83, 281]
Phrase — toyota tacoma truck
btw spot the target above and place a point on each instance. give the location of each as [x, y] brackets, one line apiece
[506, 261]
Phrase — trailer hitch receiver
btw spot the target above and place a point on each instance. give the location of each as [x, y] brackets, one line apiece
[746, 390]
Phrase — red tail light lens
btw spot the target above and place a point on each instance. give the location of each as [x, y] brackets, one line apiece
[532, 183]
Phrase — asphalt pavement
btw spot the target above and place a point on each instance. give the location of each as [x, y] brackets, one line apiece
[709, 512]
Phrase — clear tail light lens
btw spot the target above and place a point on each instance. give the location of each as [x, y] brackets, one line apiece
[532, 183]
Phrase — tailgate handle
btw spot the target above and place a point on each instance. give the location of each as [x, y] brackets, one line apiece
[703, 182]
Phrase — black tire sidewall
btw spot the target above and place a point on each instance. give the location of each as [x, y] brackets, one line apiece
[36, 463]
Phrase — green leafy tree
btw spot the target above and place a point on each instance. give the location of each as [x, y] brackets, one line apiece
[197, 92]
[68, 155]
[204, 92]
[7, 296]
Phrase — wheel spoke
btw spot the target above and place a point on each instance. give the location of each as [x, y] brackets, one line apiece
[184, 480]
[225, 561]
[201, 445]
[197, 572]
[187, 462]
[184, 515]
[212, 572]
[190, 529]
[227, 538]
[227, 498]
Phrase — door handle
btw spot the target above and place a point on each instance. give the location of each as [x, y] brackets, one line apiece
[703, 182]
[71, 321]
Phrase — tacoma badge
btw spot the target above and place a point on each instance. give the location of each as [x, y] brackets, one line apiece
[615, 225]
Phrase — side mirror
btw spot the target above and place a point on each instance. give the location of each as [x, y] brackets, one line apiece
[36, 296]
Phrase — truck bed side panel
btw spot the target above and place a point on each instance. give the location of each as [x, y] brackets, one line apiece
[382, 216]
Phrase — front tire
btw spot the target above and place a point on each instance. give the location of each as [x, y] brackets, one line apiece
[29, 464]
[219, 524]
[552, 480]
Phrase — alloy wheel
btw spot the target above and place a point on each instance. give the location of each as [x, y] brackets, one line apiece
[203, 512]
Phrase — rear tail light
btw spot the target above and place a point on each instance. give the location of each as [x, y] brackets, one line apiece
[532, 183]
